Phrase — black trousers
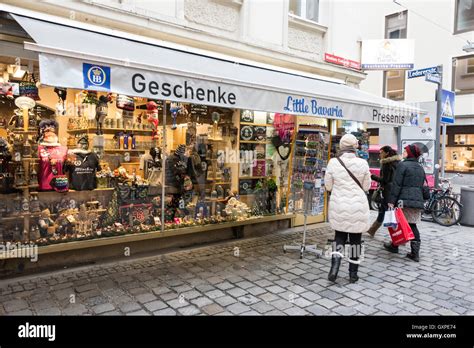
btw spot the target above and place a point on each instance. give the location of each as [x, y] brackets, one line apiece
[416, 232]
[355, 240]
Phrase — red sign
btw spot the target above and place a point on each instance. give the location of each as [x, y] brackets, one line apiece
[341, 61]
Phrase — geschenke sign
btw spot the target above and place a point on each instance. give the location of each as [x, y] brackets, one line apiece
[75, 73]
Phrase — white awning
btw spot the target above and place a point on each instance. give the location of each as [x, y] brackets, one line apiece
[82, 58]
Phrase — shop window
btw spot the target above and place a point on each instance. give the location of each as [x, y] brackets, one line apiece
[464, 139]
[107, 151]
[463, 73]
[307, 9]
[460, 159]
[464, 16]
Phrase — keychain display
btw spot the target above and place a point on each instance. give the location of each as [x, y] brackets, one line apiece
[309, 166]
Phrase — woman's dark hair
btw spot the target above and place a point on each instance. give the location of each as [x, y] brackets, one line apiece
[389, 151]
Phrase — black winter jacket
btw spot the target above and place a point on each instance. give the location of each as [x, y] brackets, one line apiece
[387, 172]
[407, 184]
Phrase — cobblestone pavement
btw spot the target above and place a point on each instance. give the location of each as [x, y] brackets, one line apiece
[254, 277]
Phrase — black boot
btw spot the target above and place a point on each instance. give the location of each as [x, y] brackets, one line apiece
[415, 251]
[353, 268]
[390, 247]
[335, 264]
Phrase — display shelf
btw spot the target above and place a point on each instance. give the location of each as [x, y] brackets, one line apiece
[20, 216]
[256, 124]
[111, 130]
[122, 150]
[255, 177]
[26, 186]
[255, 142]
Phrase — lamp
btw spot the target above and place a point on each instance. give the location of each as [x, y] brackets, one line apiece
[25, 103]
[18, 72]
[469, 47]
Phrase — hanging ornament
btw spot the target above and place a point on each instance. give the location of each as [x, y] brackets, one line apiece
[174, 108]
[152, 117]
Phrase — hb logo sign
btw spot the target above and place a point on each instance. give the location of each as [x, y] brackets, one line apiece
[96, 76]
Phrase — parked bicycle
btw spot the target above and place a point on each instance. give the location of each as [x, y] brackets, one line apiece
[443, 206]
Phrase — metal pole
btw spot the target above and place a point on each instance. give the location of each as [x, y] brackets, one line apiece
[443, 150]
[163, 170]
[438, 123]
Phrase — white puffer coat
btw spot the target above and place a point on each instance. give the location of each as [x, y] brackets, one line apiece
[348, 205]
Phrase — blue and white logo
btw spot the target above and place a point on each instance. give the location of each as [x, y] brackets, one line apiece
[96, 76]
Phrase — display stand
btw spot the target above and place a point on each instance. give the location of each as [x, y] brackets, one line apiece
[307, 179]
[308, 208]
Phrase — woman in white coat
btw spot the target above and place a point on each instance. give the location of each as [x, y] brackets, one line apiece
[348, 179]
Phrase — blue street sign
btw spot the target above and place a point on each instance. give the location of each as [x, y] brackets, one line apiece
[422, 72]
[433, 78]
[447, 106]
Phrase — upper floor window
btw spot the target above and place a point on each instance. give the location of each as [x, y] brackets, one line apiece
[464, 16]
[463, 74]
[307, 9]
[394, 80]
[396, 26]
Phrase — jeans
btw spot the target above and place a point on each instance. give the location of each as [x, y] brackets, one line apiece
[355, 240]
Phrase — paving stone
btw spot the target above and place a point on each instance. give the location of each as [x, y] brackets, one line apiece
[189, 310]
[225, 300]
[155, 305]
[317, 310]
[23, 312]
[129, 307]
[15, 305]
[212, 309]
[236, 292]
[224, 286]
[49, 311]
[268, 297]
[387, 308]
[214, 294]
[138, 313]
[85, 287]
[237, 308]
[262, 307]
[201, 302]
[330, 294]
[327, 303]
[347, 302]
[74, 309]
[169, 296]
[166, 311]
[311, 296]
[248, 299]
[256, 290]
[106, 307]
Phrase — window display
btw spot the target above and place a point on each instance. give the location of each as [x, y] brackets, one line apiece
[113, 165]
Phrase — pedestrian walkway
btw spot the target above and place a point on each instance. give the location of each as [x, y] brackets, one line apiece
[254, 277]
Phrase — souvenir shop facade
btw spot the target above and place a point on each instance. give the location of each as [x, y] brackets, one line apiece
[110, 140]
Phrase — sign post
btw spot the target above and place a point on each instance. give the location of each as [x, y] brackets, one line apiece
[446, 116]
[438, 125]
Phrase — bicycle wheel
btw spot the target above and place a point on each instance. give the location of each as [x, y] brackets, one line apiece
[446, 211]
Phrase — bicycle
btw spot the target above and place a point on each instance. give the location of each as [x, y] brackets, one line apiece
[443, 206]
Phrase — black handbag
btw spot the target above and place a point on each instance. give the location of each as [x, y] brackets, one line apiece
[426, 191]
[377, 196]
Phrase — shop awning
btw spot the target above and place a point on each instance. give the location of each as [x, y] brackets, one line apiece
[84, 58]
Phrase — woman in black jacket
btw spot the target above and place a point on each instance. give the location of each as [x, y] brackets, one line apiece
[389, 160]
[407, 193]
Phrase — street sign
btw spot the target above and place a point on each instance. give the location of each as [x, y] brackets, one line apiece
[422, 72]
[447, 106]
[435, 78]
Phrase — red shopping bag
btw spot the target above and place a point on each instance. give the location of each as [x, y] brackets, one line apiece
[403, 233]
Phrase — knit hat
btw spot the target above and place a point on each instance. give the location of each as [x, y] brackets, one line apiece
[349, 143]
[413, 151]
